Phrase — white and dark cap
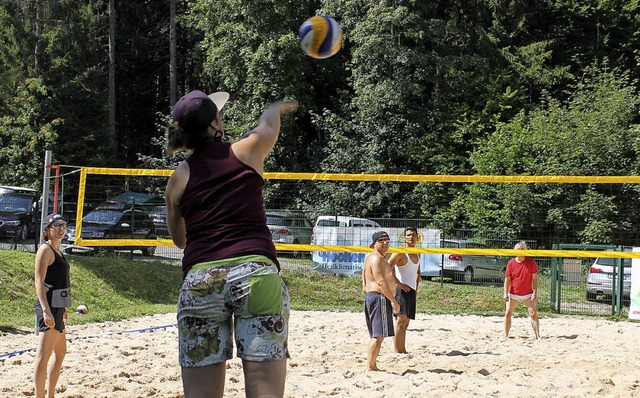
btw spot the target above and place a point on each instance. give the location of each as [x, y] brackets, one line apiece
[51, 218]
[377, 236]
[196, 110]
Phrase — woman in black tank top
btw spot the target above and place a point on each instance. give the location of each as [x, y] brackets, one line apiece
[53, 291]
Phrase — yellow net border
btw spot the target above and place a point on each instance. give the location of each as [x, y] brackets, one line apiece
[371, 177]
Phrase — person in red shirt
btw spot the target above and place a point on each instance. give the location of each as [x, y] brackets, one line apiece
[521, 285]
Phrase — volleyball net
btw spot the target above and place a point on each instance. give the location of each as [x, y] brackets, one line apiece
[494, 212]
[467, 225]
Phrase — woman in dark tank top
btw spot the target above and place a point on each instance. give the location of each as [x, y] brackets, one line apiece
[215, 213]
[53, 291]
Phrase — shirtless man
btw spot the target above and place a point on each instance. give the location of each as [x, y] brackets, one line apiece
[379, 302]
[407, 273]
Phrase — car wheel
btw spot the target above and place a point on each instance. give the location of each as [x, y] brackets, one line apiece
[295, 253]
[468, 275]
[148, 251]
[104, 251]
[22, 233]
[591, 296]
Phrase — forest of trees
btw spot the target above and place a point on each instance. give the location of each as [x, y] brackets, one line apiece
[496, 87]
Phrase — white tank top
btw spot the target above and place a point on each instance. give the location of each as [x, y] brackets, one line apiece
[408, 273]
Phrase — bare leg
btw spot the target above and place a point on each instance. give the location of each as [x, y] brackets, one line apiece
[43, 353]
[372, 354]
[204, 382]
[399, 338]
[265, 379]
[533, 314]
[59, 352]
[511, 306]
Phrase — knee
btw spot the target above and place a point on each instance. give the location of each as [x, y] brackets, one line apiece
[533, 314]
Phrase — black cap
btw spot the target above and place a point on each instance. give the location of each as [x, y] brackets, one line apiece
[51, 218]
[377, 236]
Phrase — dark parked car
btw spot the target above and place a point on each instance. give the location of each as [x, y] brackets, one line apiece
[159, 216]
[16, 212]
[115, 223]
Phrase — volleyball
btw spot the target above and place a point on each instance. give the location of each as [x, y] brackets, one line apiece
[320, 37]
[82, 309]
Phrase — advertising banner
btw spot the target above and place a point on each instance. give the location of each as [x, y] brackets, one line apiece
[634, 305]
[351, 263]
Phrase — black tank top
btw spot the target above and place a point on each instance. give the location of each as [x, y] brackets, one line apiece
[57, 276]
[223, 209]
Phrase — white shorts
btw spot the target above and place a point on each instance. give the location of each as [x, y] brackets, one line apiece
[520, 298]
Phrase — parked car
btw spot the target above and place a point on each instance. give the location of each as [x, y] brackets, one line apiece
[16, 212]
[289, 227]
[344, 221]
[600, 278]
[324, 234]
[114, 223]
[159, 216]
[469, 268]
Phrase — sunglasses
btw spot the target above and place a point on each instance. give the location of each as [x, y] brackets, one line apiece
[59, 226]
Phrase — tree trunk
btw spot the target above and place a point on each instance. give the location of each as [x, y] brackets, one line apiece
[112, 75]
[38, 33]
[172, 52]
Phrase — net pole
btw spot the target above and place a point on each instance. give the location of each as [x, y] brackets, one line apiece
[44, 209]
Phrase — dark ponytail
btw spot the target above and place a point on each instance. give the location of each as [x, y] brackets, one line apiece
[180, 138]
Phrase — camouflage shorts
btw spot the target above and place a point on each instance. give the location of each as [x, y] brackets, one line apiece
[251, 296]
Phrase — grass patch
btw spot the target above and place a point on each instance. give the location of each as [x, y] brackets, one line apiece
[116, 288]
[113, 288]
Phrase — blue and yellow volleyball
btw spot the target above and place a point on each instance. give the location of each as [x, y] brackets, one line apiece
[82, 309]
[320, 37]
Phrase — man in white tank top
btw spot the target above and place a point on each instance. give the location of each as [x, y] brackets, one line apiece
[407, 276]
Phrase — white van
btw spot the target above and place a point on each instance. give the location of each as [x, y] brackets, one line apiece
[343, 230]
[344, 221]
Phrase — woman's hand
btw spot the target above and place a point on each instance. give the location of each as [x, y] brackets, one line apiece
[288, 107]
[48, 319]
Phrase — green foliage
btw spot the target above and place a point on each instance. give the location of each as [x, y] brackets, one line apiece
[25, 133]
[523, 86]
[589, 134]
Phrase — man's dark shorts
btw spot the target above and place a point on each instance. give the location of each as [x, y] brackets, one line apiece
[407, 301]
[379, 315]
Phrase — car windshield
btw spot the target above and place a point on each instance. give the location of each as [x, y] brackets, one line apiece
[626, 263]
[277, 220]
[103, 217]
[15, 203]
[110, 204]
[447, 243]
[331, 223]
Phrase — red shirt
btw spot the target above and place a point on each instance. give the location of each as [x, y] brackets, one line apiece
[521, 275]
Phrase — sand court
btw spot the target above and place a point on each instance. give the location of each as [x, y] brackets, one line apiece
[448, 356]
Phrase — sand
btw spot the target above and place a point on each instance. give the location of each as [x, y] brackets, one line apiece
[449, 356]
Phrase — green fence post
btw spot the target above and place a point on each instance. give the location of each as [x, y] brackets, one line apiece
[554, 273]
[619, 282]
